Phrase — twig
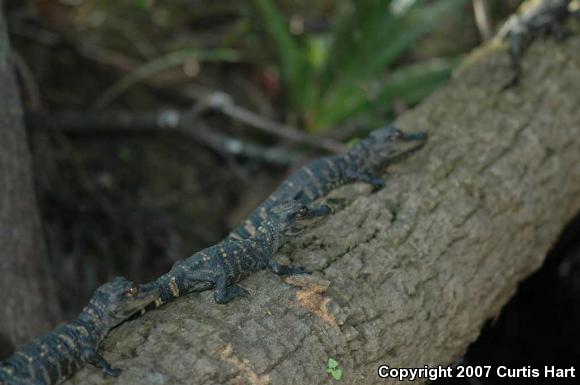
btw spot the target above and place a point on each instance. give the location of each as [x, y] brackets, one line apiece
[159, 64]
[86, 50]
[28, 80]
[33, 32]
[105, 56]
[482, 19]
[222, 102]
[168, 120]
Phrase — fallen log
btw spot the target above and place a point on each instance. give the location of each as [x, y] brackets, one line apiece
[407, 276]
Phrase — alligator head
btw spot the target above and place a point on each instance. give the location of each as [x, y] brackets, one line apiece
[292, 217]
[386, 144]
[119, 299]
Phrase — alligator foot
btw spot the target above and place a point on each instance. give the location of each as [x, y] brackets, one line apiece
[224, 294]
[287, 270]
[98, 361]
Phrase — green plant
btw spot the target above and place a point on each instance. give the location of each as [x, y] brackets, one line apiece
[351, 70]
[333, 368]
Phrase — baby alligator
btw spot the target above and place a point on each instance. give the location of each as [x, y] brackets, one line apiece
[229, 261]
[363, 162]
[538, 18]
[52, 358]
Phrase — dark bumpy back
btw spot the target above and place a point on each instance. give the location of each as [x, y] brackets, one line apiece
[230, 260]
[49, 359]
[362, 162]
[52, 358]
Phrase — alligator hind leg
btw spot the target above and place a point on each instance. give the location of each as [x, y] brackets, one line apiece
[286, 270]
[520, 32]
[224, 294]
[516, 49]
[198, 280]
[559, 32]
[98, 361]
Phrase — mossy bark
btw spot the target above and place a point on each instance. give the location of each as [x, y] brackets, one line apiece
[29, 305]
[406, 276]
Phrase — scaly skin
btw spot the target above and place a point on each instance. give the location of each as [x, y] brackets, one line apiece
[363, 162]
[539, 18]
[229, 261]
[56, 356]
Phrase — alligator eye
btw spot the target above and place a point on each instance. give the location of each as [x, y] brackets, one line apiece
[133, 291]
[398, 134]
[302, 212]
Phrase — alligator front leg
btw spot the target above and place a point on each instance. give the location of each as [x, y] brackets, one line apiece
[367, 177]
[519, 32]
[98, 361]
[560, 32]
[517, 43]
[286, 270]
[224, 294]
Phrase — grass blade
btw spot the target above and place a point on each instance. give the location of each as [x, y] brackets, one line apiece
[159, 64]
[292, 60]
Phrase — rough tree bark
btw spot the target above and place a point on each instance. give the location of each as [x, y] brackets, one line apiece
[29, 306]
[414, 270]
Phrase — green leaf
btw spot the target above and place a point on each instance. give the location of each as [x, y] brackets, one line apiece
[332, 363]
[337, 374]
[143, 4]
[333, 368]
[292, 59]
[412, 83]
[317, 50]
[417, 22]
[407, 84]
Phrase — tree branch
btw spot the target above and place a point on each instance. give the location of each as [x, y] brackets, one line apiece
[165, 121]
[223, 102]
